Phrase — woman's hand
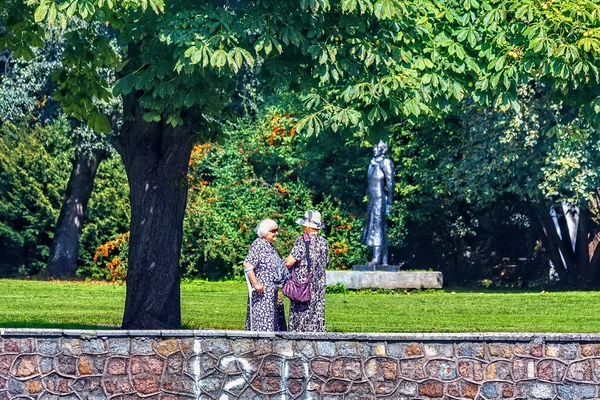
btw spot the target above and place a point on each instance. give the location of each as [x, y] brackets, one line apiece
[290, 261]
[260, 289]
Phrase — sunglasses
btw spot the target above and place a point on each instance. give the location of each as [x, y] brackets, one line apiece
[273, 230]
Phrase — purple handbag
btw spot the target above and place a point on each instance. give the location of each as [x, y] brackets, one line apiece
[293, 288]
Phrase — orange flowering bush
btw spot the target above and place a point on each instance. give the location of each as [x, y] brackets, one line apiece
[112, 257]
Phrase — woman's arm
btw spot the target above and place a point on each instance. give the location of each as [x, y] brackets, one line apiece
[290, 261]
[253, 279]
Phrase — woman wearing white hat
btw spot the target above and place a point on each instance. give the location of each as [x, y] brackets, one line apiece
[310, 316]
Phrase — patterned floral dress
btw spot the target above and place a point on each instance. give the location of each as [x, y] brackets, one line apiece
[310, 317]
[266, 309]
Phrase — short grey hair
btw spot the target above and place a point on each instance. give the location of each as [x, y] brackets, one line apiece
[264, 226]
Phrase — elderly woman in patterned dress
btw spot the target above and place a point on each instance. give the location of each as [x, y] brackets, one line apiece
[260, 264]
[309, 317]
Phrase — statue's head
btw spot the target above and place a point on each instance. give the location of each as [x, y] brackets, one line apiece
[379, 149]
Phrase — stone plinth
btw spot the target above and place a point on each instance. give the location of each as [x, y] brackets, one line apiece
[377, 267]
[386, 280]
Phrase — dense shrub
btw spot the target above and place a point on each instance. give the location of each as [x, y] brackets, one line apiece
[34, 169]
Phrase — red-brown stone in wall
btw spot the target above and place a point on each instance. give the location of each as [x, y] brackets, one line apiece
[431, 389]
[337, 369]
[413, 349]
[469, 390]
[587, 350]
[390, 370]
[272, 366]
[117, 385]
[11, 346]
[2, 383]
[147, 364]
[5, 363]
[34, 386]
[146, 385]
[26, 366]
[63, 386]
[336, 386]
[272, 384]
[550, 370]
[295, 386]
[116, 366]
[537, 350]
[508, 390]
[295, 368]
[320, 367]
[84, 365]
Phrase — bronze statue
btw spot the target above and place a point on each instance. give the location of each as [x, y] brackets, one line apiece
[380, 195]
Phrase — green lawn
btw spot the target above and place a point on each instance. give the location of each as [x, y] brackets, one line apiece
[221, 305]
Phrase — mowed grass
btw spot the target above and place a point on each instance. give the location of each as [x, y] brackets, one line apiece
[222, 305]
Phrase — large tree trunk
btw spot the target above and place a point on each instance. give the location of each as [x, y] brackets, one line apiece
[65, 246]
[156, 158]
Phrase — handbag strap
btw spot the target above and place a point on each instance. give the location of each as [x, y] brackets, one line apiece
[307, 244]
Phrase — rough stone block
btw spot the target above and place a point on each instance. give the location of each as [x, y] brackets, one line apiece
[119, 346]
[272, 366]
[326, 349]
[57, 384]
[25, 367]
[304, 348]
[94, 346]
[444, 370]
[413, 369]
[48, 346]
[476, 350]
[179, 383]
[347, 349]
[142, 346]
[580, 371]
[71, 346]
[114, 385]
[146, 365]
[320, 367]
[438, 350]
[336, 386]
[498, 370]
[431, 388]
[551, 370]
[471, 369]
[523, 368]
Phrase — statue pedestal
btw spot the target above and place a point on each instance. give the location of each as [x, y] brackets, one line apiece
[377, 267]
[386, 279]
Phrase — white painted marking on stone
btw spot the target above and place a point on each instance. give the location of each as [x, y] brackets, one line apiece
[234, 383]
[196, 368]
[245, 363]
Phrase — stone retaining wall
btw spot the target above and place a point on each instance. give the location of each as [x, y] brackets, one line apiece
[71, 365]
